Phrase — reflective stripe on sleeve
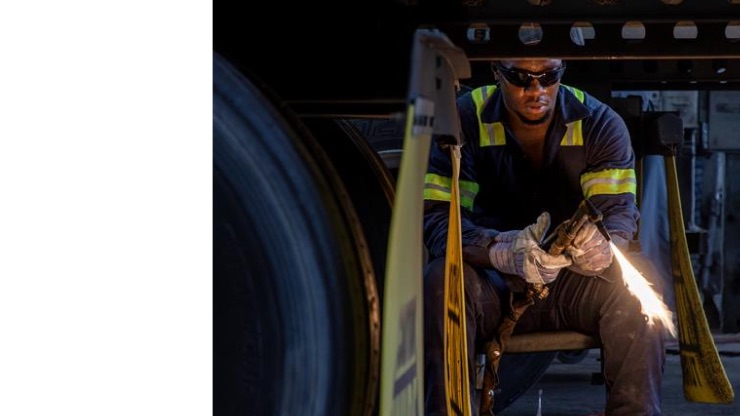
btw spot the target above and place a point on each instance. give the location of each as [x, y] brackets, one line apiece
[468, 191]
[439, 188]
[609, 182]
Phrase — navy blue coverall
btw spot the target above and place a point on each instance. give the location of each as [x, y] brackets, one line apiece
[587, 154]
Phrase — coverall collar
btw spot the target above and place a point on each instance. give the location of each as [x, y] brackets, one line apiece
[569, 107]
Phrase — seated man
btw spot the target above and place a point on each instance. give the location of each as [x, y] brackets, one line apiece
[533, 151]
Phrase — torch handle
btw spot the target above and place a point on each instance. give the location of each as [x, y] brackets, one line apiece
[566, 234]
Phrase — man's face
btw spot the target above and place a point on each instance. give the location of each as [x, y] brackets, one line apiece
[530, 87]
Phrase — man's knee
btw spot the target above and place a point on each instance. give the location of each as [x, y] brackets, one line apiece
[434, 278]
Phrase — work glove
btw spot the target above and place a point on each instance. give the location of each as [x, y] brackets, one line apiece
[518, 252]
[590, 251]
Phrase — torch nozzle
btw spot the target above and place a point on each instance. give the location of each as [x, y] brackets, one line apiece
[603, 230]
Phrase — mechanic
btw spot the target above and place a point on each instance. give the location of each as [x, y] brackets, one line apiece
[533, 150]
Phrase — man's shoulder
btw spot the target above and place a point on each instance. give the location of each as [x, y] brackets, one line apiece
[598, 111]
[582, 96]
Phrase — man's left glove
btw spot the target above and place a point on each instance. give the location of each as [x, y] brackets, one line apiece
[590, 251]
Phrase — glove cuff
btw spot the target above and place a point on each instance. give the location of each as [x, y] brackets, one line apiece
[506, 236]
[502, 257]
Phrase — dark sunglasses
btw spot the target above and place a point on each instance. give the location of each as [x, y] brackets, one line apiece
[524, 79]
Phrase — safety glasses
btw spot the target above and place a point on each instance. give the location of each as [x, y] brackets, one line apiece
[524, 79]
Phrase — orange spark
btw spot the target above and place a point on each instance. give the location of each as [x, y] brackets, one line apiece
[652, 305]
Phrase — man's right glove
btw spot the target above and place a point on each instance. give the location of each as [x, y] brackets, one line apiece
[518, 252]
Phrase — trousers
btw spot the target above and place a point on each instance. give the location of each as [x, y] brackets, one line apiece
[634, 349]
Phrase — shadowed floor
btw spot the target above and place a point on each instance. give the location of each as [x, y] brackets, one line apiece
[567, 388]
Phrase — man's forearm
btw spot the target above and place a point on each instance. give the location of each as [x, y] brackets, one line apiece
[477, 256]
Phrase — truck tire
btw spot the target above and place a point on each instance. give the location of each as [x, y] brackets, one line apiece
[385, 136]
[368, 182]
[295, 313]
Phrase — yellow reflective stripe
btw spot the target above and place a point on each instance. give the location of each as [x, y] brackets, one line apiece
[431, 194]
[439, 188]
[499, 137]
[466, 201]
[443, 181]
[480, 96]
[489, 133]
[468, 191]
[578, 133]
[432, 180]
[485, 132]
[573, 135]
[469, 186]
[609, 182]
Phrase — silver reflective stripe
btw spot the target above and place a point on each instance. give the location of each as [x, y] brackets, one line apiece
[467, 193]
[568, 138]
[437, 187]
